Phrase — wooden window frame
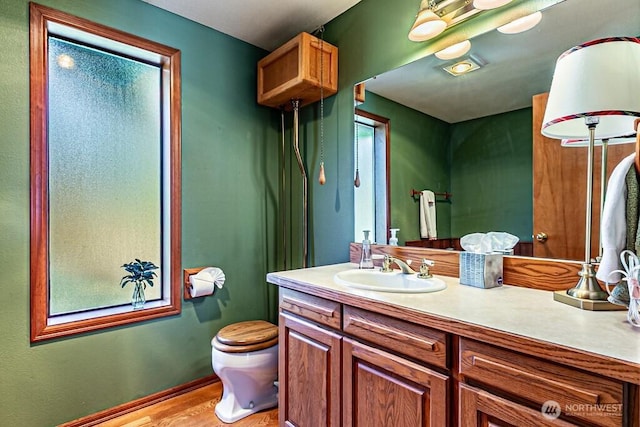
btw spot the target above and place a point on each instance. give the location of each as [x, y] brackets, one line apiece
[40, 19]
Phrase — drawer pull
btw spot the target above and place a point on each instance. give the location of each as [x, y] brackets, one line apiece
[327, 312]
[392, 333]
[514, 373]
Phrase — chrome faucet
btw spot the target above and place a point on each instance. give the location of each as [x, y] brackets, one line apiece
[404, 267]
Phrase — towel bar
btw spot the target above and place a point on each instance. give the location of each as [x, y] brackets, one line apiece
[415, 193]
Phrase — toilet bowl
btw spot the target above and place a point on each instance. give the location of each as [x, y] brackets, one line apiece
[244, 356]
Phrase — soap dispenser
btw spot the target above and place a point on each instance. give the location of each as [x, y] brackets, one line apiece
[365, 259]
[393, 240]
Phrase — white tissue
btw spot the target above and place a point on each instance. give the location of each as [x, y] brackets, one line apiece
[205, 281]
[487, 243]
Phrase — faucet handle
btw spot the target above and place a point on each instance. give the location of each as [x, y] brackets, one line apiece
[425, 273]
[386, 263]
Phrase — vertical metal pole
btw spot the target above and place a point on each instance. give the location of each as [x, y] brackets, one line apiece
[296, 147]
[603, 188]
[589, 207]
[283, 194]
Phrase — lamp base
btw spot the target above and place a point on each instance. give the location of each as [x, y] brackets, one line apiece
[585, 304]
[587, 287]
[587, 294]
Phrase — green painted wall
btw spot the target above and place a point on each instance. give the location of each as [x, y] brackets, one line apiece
[230, 179]
[419, 160]
[492, 175]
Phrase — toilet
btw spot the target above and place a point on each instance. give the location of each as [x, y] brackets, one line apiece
[244, 356]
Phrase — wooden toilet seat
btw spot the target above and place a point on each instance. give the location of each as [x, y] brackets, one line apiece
[243, 337]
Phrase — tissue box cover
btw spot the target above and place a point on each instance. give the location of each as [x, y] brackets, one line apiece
[480, 270]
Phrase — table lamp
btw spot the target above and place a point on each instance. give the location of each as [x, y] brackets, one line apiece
[595, 93]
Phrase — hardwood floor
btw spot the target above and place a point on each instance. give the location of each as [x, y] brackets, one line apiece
[192, 409]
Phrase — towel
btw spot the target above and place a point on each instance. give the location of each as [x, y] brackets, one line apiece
[632, 215]
[428, 215]
[613, 225]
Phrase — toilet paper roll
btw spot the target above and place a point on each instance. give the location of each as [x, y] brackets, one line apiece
[200, 288]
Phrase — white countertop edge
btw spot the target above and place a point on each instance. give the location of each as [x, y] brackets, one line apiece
[529, 313]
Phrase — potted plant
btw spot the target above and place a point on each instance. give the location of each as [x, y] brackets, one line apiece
[140, 274]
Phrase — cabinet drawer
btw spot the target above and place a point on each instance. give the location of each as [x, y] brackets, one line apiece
[580, 395]
[422, 343]
[311, 307]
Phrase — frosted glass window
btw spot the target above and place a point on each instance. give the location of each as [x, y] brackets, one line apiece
[105, 196]
[105, 174]
[364, 196]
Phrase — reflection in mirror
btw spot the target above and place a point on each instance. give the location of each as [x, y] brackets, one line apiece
[371, 176]
[474, 135]
[105, 186]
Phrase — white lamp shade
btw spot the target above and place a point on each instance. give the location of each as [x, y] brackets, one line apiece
[427, 26]
[599, 79]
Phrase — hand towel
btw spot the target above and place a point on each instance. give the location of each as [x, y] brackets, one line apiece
[428, 215]
[613, 224]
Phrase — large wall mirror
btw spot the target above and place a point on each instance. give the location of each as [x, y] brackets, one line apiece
[105, 176]
[472, 136]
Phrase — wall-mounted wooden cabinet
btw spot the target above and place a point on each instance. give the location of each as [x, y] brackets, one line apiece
[298, 70]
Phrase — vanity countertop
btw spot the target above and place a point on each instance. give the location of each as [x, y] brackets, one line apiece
[504, 312]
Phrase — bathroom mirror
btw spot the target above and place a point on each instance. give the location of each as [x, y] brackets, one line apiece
[488, 113]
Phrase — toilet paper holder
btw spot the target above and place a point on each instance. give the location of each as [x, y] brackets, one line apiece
[216, 275]
[185, 274]
[187, 283]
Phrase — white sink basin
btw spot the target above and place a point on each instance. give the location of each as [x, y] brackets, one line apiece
[375, 280]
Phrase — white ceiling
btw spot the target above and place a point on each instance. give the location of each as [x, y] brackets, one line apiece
[263, 23]
[518, 66]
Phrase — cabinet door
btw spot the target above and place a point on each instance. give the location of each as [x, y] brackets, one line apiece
[381, 389]
[309, 374]
[479, 408]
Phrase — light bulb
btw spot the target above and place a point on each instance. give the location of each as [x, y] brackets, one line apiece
[427, 26]
[489, 4]
[454, 51]
[521, 24]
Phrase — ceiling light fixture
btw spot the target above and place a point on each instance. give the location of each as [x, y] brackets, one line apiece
[65, 61]
[465, 66]
[454, 51]
[522, 24]
[489, 4]
[427, 24]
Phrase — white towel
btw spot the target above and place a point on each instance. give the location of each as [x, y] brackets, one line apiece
[428, 215]
[613, 225]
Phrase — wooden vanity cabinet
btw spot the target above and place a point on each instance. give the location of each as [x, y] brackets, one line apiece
[479, 408]
[383, 389]
[342, 365]
[309, 374]
[328, 378]
[579, 396]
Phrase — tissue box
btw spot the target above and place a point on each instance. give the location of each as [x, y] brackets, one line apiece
[480, 270]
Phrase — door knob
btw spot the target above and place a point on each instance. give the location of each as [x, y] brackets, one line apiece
[541, 237]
